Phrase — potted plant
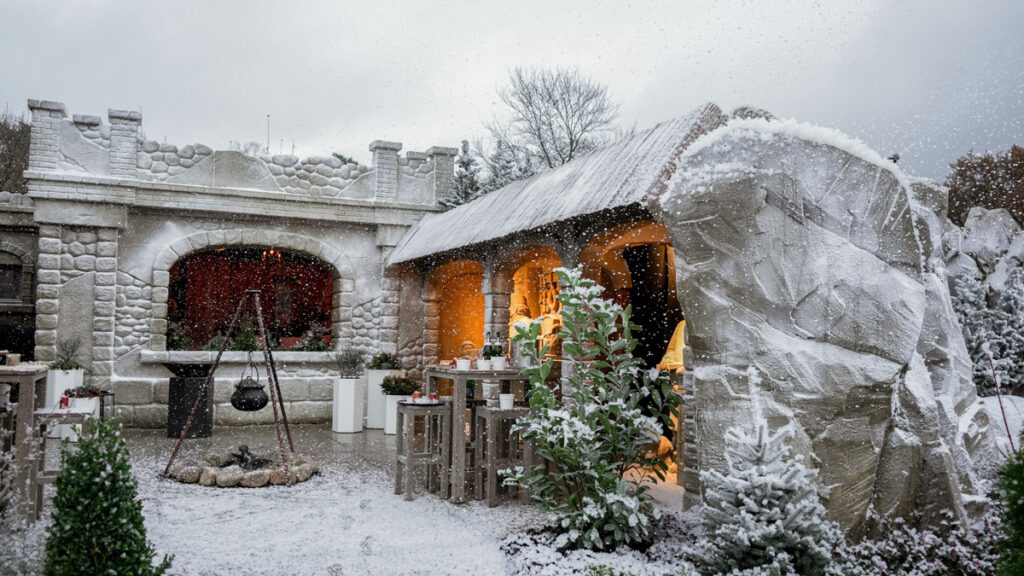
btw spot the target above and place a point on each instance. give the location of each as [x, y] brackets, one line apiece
[349, 392]
[84, 397]
[381, 366]
[65, 373]
[395, 388]
[496, 355]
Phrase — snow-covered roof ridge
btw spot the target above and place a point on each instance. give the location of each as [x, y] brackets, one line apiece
[618, 175]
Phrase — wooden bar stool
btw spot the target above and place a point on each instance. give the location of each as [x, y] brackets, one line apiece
[497, 447]
[46, 418]
[433, 458]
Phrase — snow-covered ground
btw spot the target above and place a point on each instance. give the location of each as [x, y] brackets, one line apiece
[347, 520]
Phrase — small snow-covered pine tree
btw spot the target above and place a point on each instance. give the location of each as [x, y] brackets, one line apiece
[1008, 331]
[97, 525]
[466, 183]
[764, 516]
[969, 303]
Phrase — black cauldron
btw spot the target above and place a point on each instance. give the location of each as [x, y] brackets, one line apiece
[249, 396]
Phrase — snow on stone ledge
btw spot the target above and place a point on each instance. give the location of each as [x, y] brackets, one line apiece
[768, 130]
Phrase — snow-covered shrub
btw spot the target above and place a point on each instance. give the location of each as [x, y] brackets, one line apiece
[950, 548]
[597, 441]
[763, 516]
[1011, 561]
[97, 525]
[1000, 329]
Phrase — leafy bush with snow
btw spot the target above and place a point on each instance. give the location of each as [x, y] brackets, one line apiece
[764, 516]
[950, 548]
[1011, 560]
[597, 441]
[998, 329]
[97, 525]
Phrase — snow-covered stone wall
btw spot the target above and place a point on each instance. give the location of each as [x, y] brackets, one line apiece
[116, 211]
[815, 296]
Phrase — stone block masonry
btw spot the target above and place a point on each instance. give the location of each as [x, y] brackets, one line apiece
[385, 162]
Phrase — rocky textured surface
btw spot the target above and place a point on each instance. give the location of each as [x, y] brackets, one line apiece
[803, 269]
[988, 247]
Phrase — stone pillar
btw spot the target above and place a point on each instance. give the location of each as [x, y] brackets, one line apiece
[444, 170]
[385, 165]
[104, 302]
[124, 143]
[44, 149]
[47, 291]
[390, 285]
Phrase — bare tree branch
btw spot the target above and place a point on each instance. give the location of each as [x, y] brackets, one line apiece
[557, 115]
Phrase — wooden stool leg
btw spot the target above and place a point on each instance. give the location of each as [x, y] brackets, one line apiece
[410, 459]
[492, 463]
[399, 444]
[432, 448]
[446, 461]
[478, 448]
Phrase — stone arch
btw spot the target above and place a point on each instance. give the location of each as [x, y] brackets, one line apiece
[28, 269]
[435, 304]
[505, 266]
[341, 270]
[24, 255]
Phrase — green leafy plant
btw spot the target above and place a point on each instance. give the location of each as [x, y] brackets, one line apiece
[1011, 558]
[245, 337]
[97, 525]
[350, 363]
[68, 354]
[177, 339]
[385, 361]
[85, 391]
[595, 448]
[398, 386]
[313, 340]
[216, 342]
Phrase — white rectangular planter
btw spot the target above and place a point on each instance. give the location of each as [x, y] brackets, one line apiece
[348, 405]
[391, 412]
[57, 381]
[375, 405]
[91, 404]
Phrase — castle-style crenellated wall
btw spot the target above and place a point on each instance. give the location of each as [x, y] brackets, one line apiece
[115, 211]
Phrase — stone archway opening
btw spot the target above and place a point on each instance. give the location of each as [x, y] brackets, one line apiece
[458, 287]
[206, 286]
[528, 275]
[635, 262]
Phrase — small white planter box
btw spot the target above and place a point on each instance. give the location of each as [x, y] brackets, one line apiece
[90, 404]
[57, 381]
[348, 405]
[391, 412]
[375, 405]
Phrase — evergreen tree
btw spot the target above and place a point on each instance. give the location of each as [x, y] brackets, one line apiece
[998, 330]
[597, 438]
[97, 525]
[466, 183]
[1011, 558]
[506, 164]
[1008, 332]
[969, 303]
[764, 516]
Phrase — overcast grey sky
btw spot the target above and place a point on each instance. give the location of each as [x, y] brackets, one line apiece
[929, 79]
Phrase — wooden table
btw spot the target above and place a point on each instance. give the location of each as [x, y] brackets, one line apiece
[459, 378]
[29, 380]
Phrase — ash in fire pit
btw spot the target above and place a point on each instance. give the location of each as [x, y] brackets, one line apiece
[244, 468]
